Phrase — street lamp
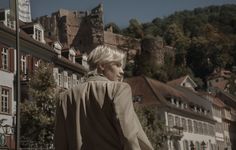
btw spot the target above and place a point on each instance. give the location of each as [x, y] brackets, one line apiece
[7, 131]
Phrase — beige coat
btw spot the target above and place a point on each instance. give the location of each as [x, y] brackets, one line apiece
[98, 115]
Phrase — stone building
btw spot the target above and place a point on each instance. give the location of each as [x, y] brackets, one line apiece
[155, 52]
[85, 30]
[81, 30]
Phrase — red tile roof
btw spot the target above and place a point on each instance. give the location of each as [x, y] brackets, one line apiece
[177, 81]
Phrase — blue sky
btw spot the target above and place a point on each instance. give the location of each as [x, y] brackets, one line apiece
[121, 11]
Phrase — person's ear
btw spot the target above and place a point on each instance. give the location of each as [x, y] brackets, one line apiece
[100, 68]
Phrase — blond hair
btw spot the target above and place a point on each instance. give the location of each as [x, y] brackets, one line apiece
[103, 54]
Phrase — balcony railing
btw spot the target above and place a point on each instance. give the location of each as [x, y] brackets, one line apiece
[174, 132]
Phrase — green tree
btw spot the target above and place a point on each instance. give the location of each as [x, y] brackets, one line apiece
[135, 29]
[38, 113]
[232, 84]
[152, 125]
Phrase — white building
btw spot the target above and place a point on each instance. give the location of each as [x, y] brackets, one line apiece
[187, 116]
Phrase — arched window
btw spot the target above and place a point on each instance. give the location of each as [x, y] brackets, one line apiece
[198, 146]
[185, 145]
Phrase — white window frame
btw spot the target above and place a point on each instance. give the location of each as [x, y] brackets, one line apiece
[190, 125]
[5, 100]
[184, 124]
[38, 34]
[10, 24]
[23, 64]
[5, 59]
[170, 120]
[70, 85]
[177, 121]
[60, 78]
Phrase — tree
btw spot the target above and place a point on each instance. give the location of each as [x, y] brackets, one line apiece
[152, 125]
[232, 84]
[135, 29]
[38, 113]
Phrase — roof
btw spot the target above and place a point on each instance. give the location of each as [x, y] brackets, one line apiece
[230, 96]
[212, 98]
[149, 95]
[220, 84]
[180, 80]
[164, 89]
[154, 92]
[194, 98]
[219, 73]
[45, 52]
[177, 81]
[27, 37]
[161, 90]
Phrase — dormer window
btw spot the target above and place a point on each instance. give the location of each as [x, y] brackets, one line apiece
[38, 34]
[137, 98]
[57, 47]
[7, 19]
[10, 23]
[72, 57]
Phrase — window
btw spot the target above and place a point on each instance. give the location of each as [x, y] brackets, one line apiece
[23, 64]
[198, 146]
[4, 58]
[5, 99]
[177, 121]
[195, 127]
[200, 128]
[211, 129]
[60, 80]
[170, 121]
[205, 129]
[184, 125]
[70, 82]
[190, 126]
[185, 145]
[10, 24]
[38, 35]
[71, 57]
[137, 98]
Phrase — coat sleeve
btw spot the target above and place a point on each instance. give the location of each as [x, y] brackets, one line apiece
[60, 129]
[129, 122]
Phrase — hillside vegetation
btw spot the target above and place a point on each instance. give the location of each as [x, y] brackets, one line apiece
[204, 39]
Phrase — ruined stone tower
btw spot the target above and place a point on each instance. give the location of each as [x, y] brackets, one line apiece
[81, 30]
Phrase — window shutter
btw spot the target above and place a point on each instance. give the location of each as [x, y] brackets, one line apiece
[0, 56]
[30, 64]
[11, 59]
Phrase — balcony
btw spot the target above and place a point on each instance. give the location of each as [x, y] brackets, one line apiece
[174, 132]
[226, 115]
[233, 117]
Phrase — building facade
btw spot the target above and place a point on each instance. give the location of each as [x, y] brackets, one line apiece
[188, 117]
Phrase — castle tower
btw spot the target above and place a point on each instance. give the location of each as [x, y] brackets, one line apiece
[24, 10]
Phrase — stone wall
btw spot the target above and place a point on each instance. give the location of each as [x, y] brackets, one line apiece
[90, 33]
[62, 25]
[155, 51]
[130, 45]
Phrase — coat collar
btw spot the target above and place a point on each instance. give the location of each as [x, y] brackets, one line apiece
[97, 77]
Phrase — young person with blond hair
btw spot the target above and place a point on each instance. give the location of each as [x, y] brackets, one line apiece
[98, 114]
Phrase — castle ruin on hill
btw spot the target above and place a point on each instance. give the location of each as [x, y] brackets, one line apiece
[85, 30]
